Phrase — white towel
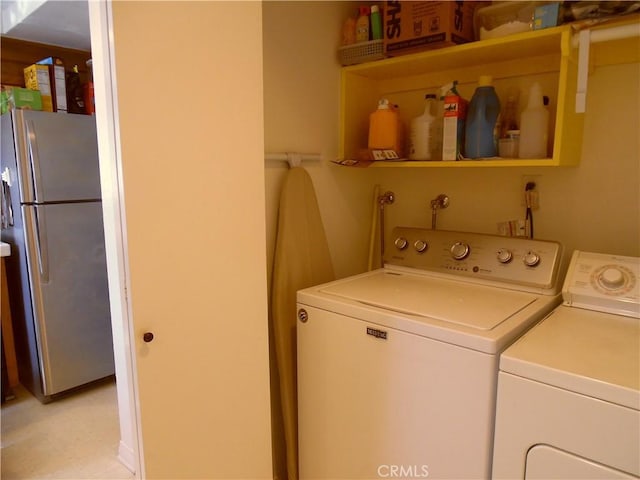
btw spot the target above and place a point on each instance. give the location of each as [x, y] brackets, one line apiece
[302, 259]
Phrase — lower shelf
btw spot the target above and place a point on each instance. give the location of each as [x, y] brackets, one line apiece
[494, 162]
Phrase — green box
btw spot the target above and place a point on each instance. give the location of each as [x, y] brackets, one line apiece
[4, 102]
[23, 98]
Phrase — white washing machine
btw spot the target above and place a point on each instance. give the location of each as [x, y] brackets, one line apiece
[397, 368]
[569, 390]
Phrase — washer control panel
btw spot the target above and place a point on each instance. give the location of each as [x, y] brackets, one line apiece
[521, 262]
[602, 282]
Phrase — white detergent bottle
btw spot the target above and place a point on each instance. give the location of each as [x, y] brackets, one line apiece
[421, 136]
[534, 126]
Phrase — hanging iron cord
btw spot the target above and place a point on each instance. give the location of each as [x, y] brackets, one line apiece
[528, 201]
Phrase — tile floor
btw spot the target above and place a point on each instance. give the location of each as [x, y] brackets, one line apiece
[70, 439]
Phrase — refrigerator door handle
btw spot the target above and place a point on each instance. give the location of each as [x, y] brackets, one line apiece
[34, 158]
[33, 248]
[39, 229]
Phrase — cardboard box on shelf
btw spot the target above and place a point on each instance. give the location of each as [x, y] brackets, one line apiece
[546, 16]
[36, 77]
[57, 81]
[415, 26]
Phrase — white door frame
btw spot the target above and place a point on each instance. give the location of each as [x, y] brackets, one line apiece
[130, 450]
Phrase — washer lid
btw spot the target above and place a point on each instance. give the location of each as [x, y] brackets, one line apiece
[475, 306]
[587, 352]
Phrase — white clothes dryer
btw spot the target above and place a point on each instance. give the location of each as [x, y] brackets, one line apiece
[569, 390]
[397, 368]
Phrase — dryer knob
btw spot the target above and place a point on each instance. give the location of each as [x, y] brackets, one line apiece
[460, 250]
[420, 246]
[401, 243]
[531, 259]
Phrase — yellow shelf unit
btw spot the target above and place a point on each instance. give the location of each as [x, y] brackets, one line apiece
[514, 62]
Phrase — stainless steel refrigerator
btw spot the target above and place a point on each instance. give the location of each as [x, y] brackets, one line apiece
[57, 276]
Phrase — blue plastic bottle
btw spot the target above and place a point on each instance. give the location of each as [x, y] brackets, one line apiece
[481, 132]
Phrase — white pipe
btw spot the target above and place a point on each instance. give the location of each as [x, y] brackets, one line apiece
[611, 33]
[583, 41]
[583, 70]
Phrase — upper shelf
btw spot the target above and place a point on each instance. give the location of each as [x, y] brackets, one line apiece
[547, 56]
[512, 47]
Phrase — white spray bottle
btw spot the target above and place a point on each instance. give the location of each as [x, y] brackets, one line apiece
[534, 126]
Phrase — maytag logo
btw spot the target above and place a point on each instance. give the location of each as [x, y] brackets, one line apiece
[377, 333]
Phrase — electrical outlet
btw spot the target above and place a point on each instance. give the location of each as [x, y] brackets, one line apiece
[534, 194]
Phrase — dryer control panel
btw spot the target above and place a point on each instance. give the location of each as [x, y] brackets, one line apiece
[523, 263]
[605, 283]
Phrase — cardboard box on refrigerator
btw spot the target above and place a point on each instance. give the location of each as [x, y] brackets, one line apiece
[415, 26]
[57, 80]
[36, 77]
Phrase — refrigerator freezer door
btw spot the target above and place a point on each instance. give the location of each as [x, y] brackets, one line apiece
[69, 293]
[59, 154]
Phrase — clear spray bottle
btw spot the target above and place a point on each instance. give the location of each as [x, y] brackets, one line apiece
[534, 126]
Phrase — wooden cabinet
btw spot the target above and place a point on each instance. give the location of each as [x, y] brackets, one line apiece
[18, 54]
[515, 62]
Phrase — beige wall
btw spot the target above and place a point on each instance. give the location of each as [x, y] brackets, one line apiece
[301, 85]
[193, 186]
[595, 206]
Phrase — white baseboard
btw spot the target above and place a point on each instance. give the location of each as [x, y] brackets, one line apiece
[126, 456]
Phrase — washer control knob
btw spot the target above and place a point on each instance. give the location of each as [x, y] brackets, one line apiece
[612, 278]
[401, 243]
[460, 250]
[420, 246]
[504, 255]
[531, 259]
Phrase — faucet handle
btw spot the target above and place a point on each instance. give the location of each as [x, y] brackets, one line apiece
[441, 201]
